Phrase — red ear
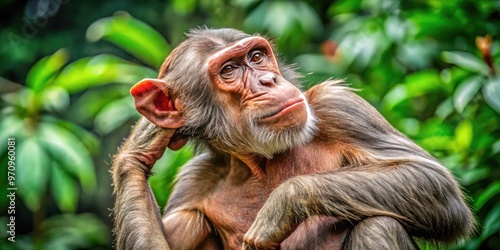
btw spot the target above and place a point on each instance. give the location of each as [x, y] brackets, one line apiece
[153, 101]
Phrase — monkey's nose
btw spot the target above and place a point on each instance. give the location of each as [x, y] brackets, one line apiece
[268, 79]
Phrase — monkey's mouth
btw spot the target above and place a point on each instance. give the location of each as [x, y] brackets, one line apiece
[270, 115]
[291, 107]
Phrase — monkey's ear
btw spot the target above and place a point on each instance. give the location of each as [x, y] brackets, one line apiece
[153, 101]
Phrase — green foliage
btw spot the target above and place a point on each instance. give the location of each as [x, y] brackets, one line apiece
[466, 61]
[134, 36]
[43, 139]
[292, 22]
[165, 171]
[66, 231]
[99, 70]
[491, 93]
[41, 73]
[55, 154]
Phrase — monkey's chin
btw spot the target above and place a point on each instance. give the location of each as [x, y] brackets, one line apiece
[291, 114]
[269, 141]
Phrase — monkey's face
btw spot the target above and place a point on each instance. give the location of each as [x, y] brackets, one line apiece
[270, 111]
[245, 105]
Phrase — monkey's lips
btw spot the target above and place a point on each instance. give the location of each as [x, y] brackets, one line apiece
[292, 113]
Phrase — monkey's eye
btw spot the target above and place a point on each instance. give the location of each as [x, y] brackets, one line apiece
[256, 56]
[228, 69]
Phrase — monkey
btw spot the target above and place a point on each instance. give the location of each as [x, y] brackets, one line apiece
[277, 167]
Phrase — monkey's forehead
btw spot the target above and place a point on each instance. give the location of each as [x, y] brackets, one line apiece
[239, 48]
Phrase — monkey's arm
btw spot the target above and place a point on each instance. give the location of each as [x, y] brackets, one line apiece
[422, 196]
[184, 222]
[137, 219]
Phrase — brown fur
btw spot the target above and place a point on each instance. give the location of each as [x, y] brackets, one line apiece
[357, 184]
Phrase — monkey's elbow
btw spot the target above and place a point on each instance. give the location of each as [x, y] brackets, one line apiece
[457, 224]
[465, 220]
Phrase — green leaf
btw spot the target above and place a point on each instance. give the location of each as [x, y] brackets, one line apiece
[464, 134]
[99, 70]
[166, 169]
[396, 95]
[67, 149]
[474, 175]
[132, 35]
[409, 126]
[319, 64]
[342, 7]
[423, 82]
[94, 100]
[491, 223]
[115, 114]
[417, 84]
[41, 74]
[55, 99]
[466, 91]
[436, 143]
[395, 28]
[491, 191]
[10, 127]
[88, 139]
[466, 61]
[416, 55]
[281, 17]
[32, 173]
[184, 6]
[495, 148]
[19, 101]
[74, 231]
[64, 189]
[444, 109]
[491, 93]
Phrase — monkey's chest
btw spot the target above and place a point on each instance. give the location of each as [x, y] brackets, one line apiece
[232, 210]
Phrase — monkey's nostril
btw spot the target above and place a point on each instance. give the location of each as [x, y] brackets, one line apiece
[268, 80]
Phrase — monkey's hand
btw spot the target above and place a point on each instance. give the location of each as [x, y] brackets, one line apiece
[274, 222]
[260, 236]
[148, 142]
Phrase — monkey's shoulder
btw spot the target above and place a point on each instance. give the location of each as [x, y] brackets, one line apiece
[332, 100]
[339, 109]
[328, 90]
[336, 95]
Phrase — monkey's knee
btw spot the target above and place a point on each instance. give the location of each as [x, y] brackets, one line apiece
[379, 233]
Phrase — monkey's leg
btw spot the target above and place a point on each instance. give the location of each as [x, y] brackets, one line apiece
[380, 232]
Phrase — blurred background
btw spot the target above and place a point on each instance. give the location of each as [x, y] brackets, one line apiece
[430, 67]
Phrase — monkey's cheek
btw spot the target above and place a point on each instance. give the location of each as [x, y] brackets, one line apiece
[292, 116]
